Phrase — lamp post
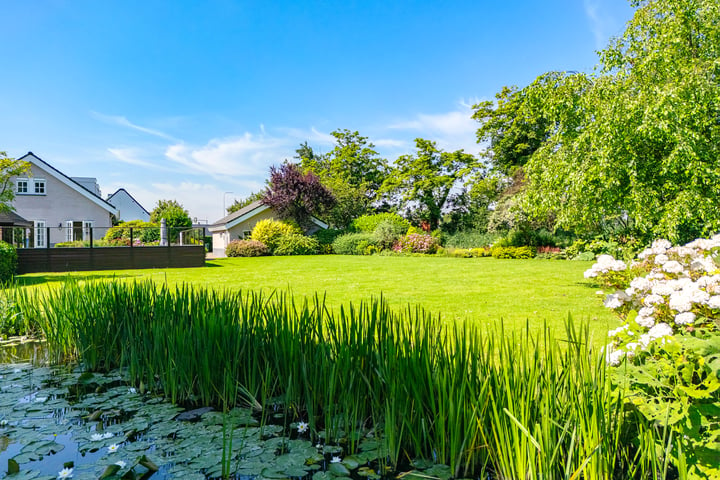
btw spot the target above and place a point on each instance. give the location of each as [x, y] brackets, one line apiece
[224, 196]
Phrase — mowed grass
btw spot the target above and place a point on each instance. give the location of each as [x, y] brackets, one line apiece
[480, 290]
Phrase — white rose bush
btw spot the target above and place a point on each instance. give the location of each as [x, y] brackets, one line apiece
[666, 353]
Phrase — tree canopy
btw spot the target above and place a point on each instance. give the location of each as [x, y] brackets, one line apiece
[425, 180]
[352, 170]
[9, 167]
[172, 211]
[296, 195]
[634, 148]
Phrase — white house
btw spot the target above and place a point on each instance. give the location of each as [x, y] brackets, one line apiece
[49, 198]
[128, 208]
[240, 223]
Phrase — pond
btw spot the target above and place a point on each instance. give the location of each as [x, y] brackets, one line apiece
[61, 422]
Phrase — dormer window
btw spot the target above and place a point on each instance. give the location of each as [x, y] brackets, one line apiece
[31, 186]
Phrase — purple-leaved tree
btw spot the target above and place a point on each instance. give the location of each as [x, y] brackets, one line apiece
[295, 195]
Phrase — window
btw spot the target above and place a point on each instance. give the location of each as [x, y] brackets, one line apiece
[40, 234]
[68, 230]
[87, 228]
[31, 186]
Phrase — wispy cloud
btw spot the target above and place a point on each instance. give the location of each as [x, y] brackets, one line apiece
[130, 156]
[124, 122]
[602, 24]
[247, 155]
[451, 130]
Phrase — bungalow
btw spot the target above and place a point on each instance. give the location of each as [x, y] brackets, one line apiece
[240, 223]
[68, 208]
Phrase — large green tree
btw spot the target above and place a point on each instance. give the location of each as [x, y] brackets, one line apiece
[424, 182]
[509, 130]
[637, 146]
[9, 168]
[176, 217]
[352, 170]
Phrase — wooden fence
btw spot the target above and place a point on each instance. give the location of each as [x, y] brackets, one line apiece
[33, 260]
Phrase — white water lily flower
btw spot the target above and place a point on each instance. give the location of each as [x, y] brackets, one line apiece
[685, 318]
[113, 448]
[121, 464]
[335, 460]
[107, 435]
[96, 437]
[65, 473]
[302, 427]
[673, 267]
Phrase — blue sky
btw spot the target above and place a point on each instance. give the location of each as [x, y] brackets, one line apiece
[188, 100]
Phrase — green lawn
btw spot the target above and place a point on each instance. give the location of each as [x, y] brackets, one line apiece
[477, 289]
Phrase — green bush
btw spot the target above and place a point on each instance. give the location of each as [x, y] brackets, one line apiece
[368, 223]
[513, 252]
[8, 261]
[143, 232]
[584, 256]
[471, 239]
[387, 233]
[269, 231]
[531, 238]
[297, 244]
[353, 243]
[326, 237]
[246, 248]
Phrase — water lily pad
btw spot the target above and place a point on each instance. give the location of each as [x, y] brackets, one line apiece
[339, 470]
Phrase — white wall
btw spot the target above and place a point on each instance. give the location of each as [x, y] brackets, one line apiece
[59, 204]
[128, 209]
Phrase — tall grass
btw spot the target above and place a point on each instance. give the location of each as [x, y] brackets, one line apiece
[522, 406]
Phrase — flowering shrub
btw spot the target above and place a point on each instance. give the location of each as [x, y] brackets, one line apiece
[416, 243]
[667, 289]
[669, 301]
[246, 248]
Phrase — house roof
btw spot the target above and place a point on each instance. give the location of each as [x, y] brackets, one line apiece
[14, 220]
[131, 198]
[248, 211]
[32, 158]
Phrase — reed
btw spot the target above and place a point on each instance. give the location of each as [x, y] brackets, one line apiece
[514, 405]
